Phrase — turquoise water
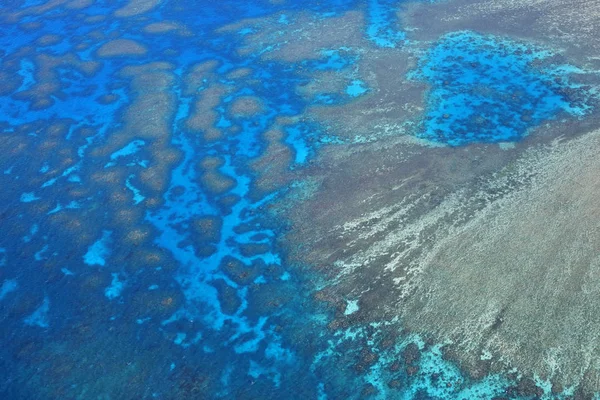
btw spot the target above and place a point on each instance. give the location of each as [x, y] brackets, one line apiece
[489, 89]
[139, 254]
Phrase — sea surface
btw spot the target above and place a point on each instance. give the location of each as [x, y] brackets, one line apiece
[293, 199]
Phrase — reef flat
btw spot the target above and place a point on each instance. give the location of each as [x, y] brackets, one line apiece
[332, 199]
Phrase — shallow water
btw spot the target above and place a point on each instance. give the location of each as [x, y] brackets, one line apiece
[236, 199]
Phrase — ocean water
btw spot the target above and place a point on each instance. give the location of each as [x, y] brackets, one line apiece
[488, 89]
[150, 152]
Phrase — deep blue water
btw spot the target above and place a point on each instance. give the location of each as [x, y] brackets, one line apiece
[139, 258]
